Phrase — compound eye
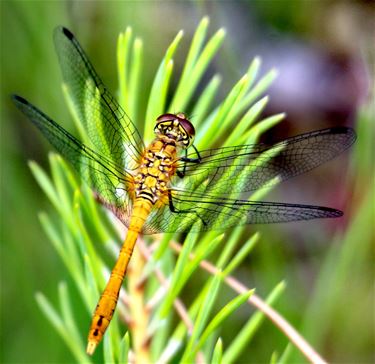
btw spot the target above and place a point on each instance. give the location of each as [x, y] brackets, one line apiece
[165, 117]
[188, 127]
[186, 133]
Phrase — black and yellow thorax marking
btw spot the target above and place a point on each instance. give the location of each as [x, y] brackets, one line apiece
[155, 171]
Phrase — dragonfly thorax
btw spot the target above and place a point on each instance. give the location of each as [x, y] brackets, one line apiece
[175, 127]
[157, 166]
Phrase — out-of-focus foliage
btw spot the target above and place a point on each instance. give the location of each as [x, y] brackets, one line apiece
[329, 273]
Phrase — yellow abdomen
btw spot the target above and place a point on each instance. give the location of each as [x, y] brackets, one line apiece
[108, 300]
[150, 186]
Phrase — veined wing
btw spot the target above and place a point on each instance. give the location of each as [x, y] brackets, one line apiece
[208, 212]
[249, 167]
[108, 180]
[108, 127]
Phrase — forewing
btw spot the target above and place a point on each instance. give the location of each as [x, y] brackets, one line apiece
[108, 127]
[250, 167]
[201, 212]
[108, 180]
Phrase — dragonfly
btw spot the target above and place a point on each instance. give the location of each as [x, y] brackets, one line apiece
[170, 186]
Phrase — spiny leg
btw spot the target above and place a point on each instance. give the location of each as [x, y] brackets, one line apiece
[175, 210]
[185, 159]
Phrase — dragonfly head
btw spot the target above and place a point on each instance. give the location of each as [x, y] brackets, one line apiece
[176, 127]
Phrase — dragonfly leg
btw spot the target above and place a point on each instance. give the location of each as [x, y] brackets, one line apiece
[177, 211]
[185, 159]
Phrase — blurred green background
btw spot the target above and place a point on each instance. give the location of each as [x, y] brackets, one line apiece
[324, 52]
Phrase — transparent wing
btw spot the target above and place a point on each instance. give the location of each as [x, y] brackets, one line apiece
[202, 212]
[110, 182]
[249, 167]
[109, 128]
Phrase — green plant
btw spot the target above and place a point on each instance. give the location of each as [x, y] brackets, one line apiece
[156, 278]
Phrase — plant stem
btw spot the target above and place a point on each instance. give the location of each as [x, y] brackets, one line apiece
[300, 343]
[139, 313]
